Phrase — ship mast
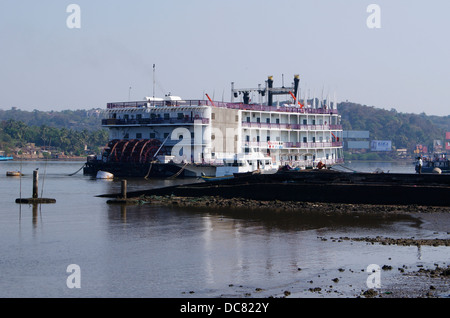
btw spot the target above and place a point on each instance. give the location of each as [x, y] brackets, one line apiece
[153, 81]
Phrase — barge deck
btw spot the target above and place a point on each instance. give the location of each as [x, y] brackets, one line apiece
[320, 186]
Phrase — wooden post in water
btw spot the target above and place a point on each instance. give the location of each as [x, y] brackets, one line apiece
[35, 199]
[35, 184]
[124, 189]
[122, 197]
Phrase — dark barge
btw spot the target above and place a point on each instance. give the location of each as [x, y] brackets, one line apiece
[133, 169]
[321, 186]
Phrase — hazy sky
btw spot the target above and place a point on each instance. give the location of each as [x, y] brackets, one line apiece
[201, 46]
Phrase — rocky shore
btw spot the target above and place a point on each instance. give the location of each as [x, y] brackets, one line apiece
[281, 206]
[415, 283]
[393, 241]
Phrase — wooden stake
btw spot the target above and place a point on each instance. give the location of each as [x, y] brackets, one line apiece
[35, 184]
[124, 189]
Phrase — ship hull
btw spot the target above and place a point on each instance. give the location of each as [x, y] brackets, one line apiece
[149, 170]
[131, 170]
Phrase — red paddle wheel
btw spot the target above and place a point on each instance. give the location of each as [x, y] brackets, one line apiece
[134, 150]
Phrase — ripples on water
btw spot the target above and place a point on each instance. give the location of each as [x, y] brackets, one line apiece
[149, 251]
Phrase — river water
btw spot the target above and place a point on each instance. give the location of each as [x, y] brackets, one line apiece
[160, 252]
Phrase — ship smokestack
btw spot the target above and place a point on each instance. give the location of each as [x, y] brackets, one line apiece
[270, 95]
[246, 98]
[296, 82]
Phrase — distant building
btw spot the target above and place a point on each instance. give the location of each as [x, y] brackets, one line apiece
[402, 152]
[356, 139]
[447, 142]
[381, 145]
[421, 149]
[437, 146]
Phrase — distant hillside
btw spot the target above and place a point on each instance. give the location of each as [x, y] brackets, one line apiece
[66, 131]
[78, 120]
[442, 122]
[403, 129]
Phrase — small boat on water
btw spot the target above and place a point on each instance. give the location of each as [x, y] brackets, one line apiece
[3, 158]
[243, 165]
[249, 163]
[104, 175]
[439, 163]
[13, 174]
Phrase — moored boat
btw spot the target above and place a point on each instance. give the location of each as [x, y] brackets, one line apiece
[247, 164]
[104, 175]
[185, 138]
[437, 164]
[13, 174]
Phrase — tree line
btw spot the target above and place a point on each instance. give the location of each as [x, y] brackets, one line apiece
[70, 130]
[16, 134]
[405, 130]
[89, 120]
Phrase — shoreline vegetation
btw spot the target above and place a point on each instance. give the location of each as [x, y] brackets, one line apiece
[68, 158]
[75, 131]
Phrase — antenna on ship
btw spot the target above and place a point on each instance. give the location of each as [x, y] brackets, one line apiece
[334, 102]
[321, 101]
[314, 99]
[153, 81]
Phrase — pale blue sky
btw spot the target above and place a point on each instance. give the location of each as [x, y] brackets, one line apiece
[201, 46]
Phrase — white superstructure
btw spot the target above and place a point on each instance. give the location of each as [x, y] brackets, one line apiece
[200, 133]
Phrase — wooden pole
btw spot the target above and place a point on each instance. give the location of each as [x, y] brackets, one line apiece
[124, 189]
[35, 184]
[35, 199]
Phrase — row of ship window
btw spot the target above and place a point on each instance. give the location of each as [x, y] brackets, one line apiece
[247, 138]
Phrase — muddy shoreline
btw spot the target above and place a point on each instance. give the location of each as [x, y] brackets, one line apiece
[217, 202]
[409, 282]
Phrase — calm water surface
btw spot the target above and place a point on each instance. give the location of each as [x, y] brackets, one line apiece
[149, 251]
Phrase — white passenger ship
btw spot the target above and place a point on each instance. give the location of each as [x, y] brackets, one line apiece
[172, 136]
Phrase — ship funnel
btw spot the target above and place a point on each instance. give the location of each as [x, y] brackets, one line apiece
[296, 82]
[246, 98]
[270, 94]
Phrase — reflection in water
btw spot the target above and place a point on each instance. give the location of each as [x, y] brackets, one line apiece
[239, 247]
[154, 251]
[36, 213]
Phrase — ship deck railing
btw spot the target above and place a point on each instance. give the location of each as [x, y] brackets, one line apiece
[238, 106]
[291, 126]
[154, 121]
[309, 163]
[294, 145]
